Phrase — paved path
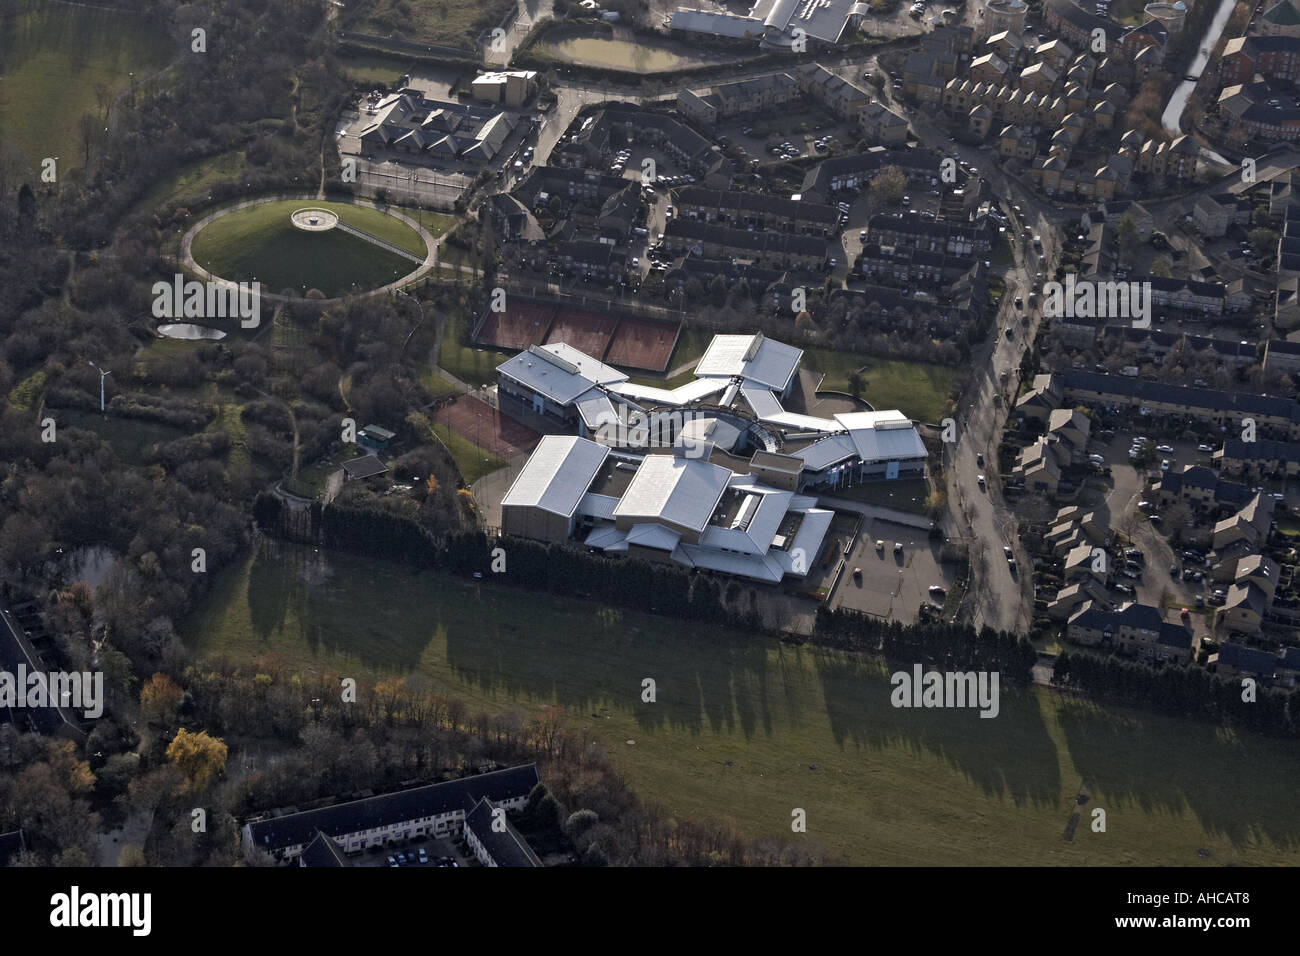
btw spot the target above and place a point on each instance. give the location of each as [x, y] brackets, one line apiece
[428, 264]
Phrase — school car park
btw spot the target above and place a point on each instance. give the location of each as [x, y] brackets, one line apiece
[893, 584]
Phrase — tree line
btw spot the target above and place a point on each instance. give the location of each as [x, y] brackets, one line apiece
[1182, 690]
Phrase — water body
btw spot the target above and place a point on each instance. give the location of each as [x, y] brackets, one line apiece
[90, 564]
[187, 330]
[1173, 114]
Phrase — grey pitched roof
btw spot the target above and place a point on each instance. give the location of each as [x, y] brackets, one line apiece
[301, 828]
[506, 847]
[1247, 658]
[323, 851]
[1203, 398]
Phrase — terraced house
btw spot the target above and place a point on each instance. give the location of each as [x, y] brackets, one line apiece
[438, 809]
[711, 240]
[756, 211]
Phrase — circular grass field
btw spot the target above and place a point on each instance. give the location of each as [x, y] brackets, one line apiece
[260, 243]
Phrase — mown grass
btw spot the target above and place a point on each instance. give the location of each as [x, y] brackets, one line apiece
[918, 389]
[469, 363]
[747, 729]
[192, 183]
[374, 69]
[474, 462]
[53, 59]
[259, 243]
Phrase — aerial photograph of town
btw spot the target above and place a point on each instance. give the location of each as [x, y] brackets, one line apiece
[588, 434]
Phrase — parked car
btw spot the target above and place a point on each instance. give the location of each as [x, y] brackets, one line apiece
[979, 458]
[424, 857]
[980, 480]
[1164, 464]
[1165, 449]
[880, 545]
[392, 862]
[898, 547]
[1205, 448]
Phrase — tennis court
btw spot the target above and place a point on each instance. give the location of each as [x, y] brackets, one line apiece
[641, 343]
[522, 324]
[485, 426]
[588, 332]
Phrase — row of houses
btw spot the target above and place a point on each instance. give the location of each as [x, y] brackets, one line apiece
[435, 810]
[756, 211]
[1276, 417]
[713, 240]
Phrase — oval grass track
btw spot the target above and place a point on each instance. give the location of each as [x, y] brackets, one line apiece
[260, 243]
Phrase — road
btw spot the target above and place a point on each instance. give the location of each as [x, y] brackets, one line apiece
[1002, 599]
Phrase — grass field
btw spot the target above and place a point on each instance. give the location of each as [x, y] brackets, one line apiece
[374, 69]
[747, 729]
[52, 60]
[192, 181]
[260, 243]
[469, 363]
[474, 462]
[917, 389]
[130, 437]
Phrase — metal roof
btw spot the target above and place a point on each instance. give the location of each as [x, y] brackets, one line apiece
[681, 491]
[559, 371]
[557, 475]
[754, 358]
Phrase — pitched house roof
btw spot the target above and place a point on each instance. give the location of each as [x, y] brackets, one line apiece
[299, 829]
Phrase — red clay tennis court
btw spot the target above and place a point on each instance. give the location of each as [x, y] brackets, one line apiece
[519, 326]
[484, 425]
[641, 343]
[587, 332]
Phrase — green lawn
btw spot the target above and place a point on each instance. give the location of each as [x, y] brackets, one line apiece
[746, 729]
[130, 437]
[436, 384]
[374, 69]
[469, 363]
[260, 243]
[192, 182]
[474, 462]
[54, 59]
[918, 389]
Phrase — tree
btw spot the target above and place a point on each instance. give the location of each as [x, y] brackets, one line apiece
[1264, 241]
[1126, 231]
[856, 383]
[160, 700]
[888, 184]
[200, 757]
[1161, 267]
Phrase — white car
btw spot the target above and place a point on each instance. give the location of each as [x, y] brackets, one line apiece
[1205, 448]
[1164, 464]
[1165, 449]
